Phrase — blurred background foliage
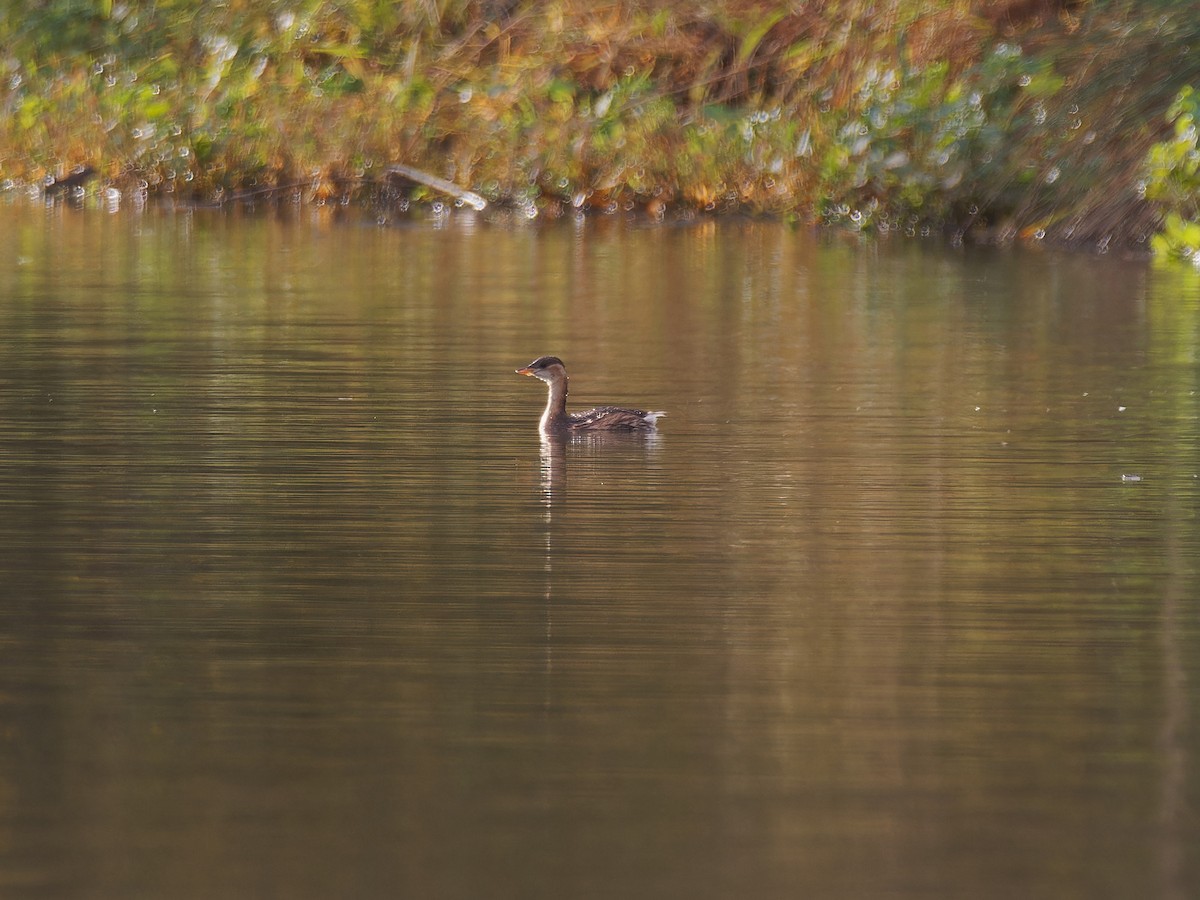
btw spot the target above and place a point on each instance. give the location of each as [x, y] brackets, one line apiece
[1069, 120]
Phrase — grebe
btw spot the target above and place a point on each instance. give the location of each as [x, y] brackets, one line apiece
[556, 419]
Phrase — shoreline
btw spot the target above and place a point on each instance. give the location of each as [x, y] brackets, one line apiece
[385, 209]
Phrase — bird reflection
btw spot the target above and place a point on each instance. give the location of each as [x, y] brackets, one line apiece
[556, 448]
[557, 453]
[554, 469]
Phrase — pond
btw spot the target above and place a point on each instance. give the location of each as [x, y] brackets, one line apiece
[901, 600]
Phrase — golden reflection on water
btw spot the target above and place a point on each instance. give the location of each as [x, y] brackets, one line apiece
[300, 602]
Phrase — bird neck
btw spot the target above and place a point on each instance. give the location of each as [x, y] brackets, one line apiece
[556, 403]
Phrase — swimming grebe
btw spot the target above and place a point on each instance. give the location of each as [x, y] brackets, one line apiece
[556, 419]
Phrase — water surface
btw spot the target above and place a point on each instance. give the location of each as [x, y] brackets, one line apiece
[902, 600]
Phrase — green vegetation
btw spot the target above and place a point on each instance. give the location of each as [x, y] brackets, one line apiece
[1174, 180]
[990, 120]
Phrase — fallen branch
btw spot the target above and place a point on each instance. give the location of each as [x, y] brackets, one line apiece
[438, 184]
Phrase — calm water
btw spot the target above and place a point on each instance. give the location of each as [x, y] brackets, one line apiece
[902, 602]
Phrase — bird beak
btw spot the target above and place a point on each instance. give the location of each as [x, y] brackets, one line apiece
[525, 371]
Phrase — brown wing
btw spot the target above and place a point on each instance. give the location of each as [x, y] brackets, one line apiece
[611, 418]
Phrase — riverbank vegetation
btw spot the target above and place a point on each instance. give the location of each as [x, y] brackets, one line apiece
[1071, 121]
